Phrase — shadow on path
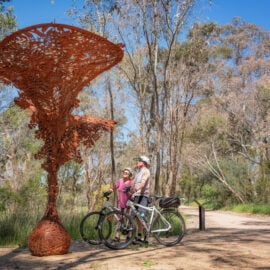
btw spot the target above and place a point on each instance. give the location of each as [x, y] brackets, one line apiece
[217, 248]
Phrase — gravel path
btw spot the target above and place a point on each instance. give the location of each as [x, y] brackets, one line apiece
[230, 241]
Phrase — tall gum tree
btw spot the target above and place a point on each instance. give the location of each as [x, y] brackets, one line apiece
[239, 53]
[146, 28]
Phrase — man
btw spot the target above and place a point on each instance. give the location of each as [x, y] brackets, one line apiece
[142, 189]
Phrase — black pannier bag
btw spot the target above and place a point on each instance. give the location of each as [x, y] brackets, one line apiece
[169, 202]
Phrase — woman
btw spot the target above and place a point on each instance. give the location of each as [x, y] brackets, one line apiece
[120, 185]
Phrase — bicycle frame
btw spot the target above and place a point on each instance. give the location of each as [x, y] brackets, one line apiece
[107, 207]
[154, 212]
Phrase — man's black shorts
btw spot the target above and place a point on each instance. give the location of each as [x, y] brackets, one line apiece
[142, 200]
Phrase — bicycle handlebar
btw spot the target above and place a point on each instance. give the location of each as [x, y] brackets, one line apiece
[128, 190]
[107, 194]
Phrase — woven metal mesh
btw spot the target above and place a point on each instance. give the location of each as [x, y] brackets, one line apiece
[50, 64]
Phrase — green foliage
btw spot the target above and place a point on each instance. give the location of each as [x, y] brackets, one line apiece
[204, 30]
[7, 197]
[212, 196]
[14, 124]
[222, 51]
[71, 220]
[208, 127]
[7, 19]
[98, 193]
[19, 217]
[250, 208]
[237, 176]
[70, 175]
[13, 116]
[16, 227]
[189, 53]
[212, 124]
[22, 210]
[148, 264]
[209, 193]
[25, 197]
[30, 146]
[262, 188]
[189, 185]
[33, 190]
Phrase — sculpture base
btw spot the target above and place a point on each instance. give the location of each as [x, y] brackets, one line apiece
[49, 238]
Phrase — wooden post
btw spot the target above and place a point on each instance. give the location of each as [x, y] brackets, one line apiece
[201, 216]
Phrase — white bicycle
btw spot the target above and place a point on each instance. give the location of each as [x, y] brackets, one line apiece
[166, 224]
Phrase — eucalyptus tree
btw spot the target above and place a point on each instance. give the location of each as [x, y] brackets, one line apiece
[96, 168]
[243, 93]
[7, 19]
[7, 25]
[9, 138]
[150, 31]
[17, 149]
[189, 75]
[238, 94]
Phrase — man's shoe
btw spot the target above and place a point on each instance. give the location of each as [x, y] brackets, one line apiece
[138, 241]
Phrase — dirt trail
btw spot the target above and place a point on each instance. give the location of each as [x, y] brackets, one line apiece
[231, 241]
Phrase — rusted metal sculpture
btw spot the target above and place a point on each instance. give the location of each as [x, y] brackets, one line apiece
[50, 64]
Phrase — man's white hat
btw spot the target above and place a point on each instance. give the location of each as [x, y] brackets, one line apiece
[145, 159]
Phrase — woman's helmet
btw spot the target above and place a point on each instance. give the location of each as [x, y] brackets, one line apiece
[129, 170]
[145, 159]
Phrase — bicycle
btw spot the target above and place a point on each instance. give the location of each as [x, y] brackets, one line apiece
[90, 225]
[167, 225]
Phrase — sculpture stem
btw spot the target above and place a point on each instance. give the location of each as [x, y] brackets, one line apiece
[51, 209]
[50, 237]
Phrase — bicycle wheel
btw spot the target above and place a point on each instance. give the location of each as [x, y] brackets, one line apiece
[175, 234]
[117, 230]
[89, 228]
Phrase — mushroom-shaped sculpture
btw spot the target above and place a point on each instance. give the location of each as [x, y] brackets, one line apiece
[50, 64]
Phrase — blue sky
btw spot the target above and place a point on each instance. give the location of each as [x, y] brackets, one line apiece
[252, 11]
[30, 12]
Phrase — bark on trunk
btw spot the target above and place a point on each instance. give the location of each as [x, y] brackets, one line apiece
[113, 169]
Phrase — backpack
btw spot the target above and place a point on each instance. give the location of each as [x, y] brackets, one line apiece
[169, 202]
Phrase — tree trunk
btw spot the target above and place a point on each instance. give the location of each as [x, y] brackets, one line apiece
[113, 169]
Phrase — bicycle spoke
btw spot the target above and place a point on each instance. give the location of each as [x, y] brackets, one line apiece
[117, 230]
[169, 235]
[89, 228]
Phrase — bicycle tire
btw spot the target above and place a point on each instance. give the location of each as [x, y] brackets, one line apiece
[175, 234]
[89, 228]
[122, 230]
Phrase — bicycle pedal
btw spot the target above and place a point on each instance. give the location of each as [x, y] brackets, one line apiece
[116, 240]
